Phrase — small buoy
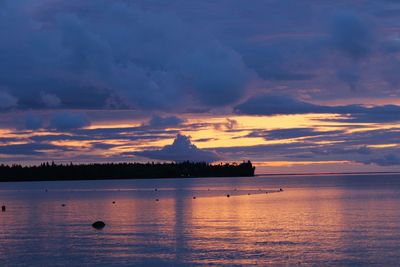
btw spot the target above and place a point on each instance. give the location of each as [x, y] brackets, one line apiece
[228, 195]
[98, 225]
[3, 208]
[157, 199]
[62, 205]
[280, 189]
[194, 197]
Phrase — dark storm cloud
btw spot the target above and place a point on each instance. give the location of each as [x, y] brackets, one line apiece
[283, 105]
[129, 57]
[57, 121]
[351, 35]
[29, 149]
[279, 60]
[181, 150]
[68, 121]
[194, 55]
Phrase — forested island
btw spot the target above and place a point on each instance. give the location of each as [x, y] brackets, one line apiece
[100, 171]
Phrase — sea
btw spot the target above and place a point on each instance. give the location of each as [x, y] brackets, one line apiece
[315, 220]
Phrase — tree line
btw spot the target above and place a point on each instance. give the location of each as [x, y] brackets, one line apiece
[98, 171]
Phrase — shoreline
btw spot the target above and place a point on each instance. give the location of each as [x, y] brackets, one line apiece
[116, 179]
[323, 173]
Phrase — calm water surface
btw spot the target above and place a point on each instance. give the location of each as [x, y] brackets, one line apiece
[316, 220]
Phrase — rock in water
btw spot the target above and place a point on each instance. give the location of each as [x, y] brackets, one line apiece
[3, 208]
[98, 225]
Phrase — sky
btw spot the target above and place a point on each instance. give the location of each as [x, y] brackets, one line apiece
[293, 86]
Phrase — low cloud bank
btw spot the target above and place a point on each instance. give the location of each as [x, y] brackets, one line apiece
[283, 105]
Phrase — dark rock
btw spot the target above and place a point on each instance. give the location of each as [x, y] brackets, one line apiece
[98, 225]
[228, 195]
[157, 199]
[62, 205]
[280, 189]
[113, 202]
[3, 208]
[194, 197]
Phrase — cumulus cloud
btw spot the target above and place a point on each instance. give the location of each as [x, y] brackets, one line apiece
[68, 121]
[181, 150]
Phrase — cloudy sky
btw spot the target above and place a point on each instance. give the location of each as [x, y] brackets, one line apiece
[294, 86]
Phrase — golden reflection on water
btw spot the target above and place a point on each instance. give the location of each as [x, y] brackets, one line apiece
[314, 225]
